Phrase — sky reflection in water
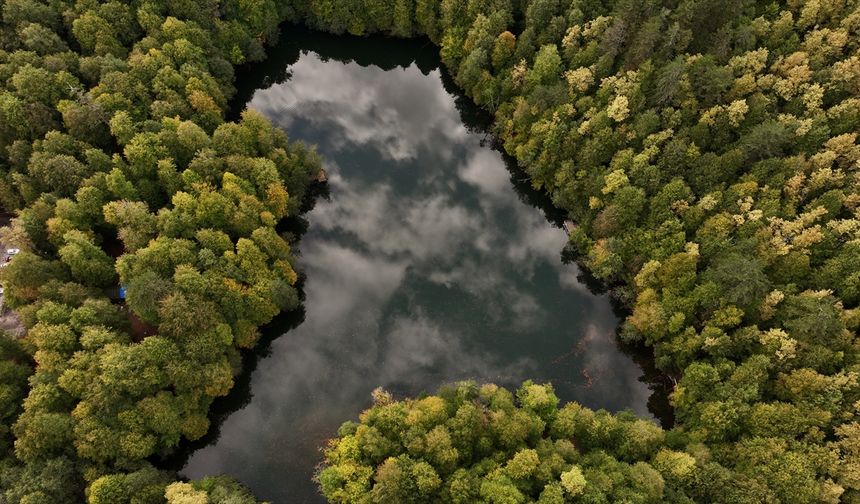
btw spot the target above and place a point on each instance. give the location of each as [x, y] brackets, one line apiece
[424, 267]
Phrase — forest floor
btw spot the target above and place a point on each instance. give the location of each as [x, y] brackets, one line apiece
[10, 323]
[9, 320]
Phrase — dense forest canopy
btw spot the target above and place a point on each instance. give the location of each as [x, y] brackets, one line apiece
[122, 172]
[706, 149]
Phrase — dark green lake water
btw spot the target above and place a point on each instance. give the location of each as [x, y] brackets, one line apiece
[429, 261]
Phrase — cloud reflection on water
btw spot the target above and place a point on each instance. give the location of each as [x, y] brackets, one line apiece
[423, 268]
[359, 108]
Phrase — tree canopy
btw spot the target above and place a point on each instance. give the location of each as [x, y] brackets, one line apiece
[707, 149]
[116, 157]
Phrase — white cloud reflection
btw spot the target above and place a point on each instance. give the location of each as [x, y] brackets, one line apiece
[363, 106]
[423, 268]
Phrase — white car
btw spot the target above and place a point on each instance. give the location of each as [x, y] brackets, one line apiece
[12, 251]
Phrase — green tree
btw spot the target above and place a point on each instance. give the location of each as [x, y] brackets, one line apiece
[87, 263]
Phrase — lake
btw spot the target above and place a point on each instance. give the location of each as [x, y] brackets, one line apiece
[430, 260]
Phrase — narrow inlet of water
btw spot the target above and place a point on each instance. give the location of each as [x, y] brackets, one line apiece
[428, 262]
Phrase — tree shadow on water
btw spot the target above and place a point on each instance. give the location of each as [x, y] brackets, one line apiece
[379, 51]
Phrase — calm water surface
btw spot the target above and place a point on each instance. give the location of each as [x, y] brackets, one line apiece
[424, 265]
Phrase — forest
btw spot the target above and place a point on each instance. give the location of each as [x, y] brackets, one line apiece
[706, 149]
